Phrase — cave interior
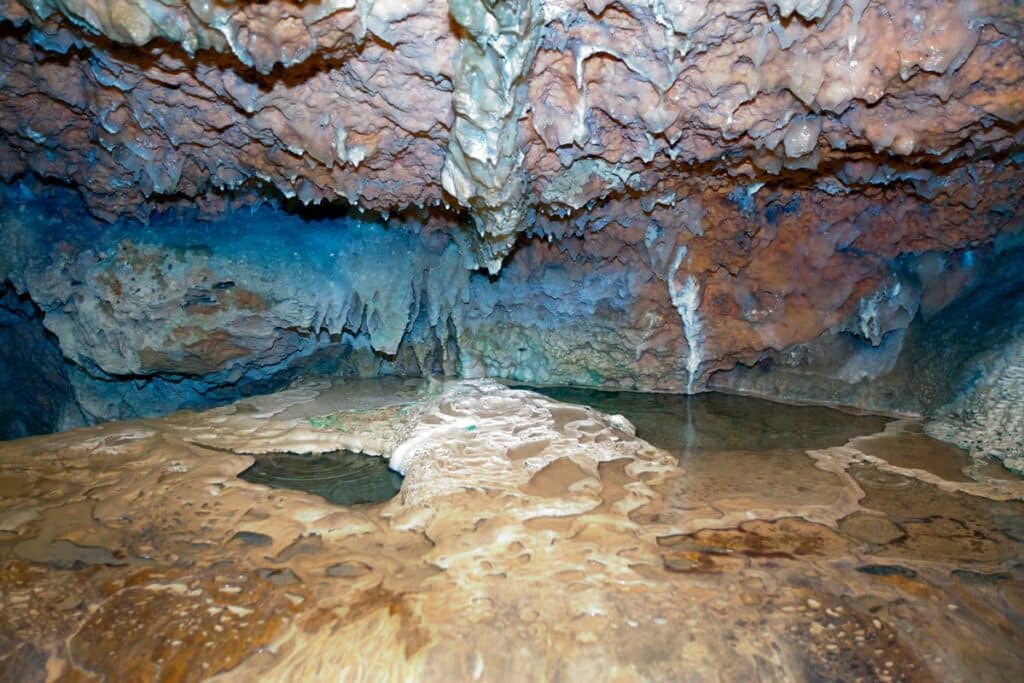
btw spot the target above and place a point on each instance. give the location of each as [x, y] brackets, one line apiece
[512, 339]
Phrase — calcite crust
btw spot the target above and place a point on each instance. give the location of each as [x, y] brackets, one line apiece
[531, 539]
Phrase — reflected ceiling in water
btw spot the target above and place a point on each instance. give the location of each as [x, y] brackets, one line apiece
[713, 421]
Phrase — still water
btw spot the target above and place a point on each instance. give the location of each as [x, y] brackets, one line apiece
[340, 477]
[716, 422]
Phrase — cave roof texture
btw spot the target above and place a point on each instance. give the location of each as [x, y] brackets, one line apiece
[519, 116]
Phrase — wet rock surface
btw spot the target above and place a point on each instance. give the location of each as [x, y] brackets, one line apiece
[530, 538]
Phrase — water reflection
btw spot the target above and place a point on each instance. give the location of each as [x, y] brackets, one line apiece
[717, 422]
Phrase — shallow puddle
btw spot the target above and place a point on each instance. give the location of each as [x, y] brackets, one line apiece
[735, 450]
[777, 477]
[745, 457]
[340, 477]
[940, 525]
[918, 451]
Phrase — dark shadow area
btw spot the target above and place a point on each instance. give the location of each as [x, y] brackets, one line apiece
[35, 393]
[989, 315]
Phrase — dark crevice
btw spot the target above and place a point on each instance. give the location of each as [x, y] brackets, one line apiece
[36, 396]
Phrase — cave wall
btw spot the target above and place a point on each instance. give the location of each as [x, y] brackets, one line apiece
[509, 109]
[803, 296]
[763, 196]
[977, 344]
[180, 313]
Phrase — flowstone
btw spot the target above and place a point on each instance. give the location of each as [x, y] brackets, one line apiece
[530, 538]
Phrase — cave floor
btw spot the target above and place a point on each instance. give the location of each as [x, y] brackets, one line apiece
[531, 540]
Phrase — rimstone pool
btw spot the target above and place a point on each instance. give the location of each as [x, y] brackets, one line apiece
[531, 538]
[339, 477]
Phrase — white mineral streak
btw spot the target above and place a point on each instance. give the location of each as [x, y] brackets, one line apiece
[686, 299]
[579, 130]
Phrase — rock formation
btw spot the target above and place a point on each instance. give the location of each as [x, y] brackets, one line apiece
[769, 196]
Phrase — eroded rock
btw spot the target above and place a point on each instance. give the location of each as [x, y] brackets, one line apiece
[531, 105]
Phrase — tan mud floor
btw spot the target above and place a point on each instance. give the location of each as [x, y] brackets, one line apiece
[531, 540]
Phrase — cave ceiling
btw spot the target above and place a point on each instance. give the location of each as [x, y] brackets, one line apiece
[520, 116]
